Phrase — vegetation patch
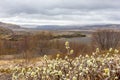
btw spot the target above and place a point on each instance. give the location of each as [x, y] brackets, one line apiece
[94, 67]
[76, 34]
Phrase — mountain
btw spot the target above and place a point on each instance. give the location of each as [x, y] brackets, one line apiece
[77, 27]
[9, 26]
[101, 26]
[56, 27]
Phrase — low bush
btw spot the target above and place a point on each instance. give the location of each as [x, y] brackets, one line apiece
[95, 67]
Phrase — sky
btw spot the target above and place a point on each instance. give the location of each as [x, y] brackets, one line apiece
[60, 12]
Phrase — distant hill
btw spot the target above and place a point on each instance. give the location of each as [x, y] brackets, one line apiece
[9, 26]
[15, 27]
[77, 27]
[102, 26]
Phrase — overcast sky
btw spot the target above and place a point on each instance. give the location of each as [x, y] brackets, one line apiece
[60, 12]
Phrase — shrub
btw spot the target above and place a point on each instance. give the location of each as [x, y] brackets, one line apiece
[107, 38]
[94, 67]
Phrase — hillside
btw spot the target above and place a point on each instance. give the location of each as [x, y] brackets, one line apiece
[5, 31]
[9, 26]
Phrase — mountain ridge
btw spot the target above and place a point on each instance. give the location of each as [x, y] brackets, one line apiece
[79, 27]
[9, 25]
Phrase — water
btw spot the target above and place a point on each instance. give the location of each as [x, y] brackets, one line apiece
[84, 40]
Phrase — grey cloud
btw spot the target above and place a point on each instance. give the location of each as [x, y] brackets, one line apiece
[43, 6]
[74, 10]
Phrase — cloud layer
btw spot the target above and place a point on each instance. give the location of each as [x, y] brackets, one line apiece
[60, 12]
